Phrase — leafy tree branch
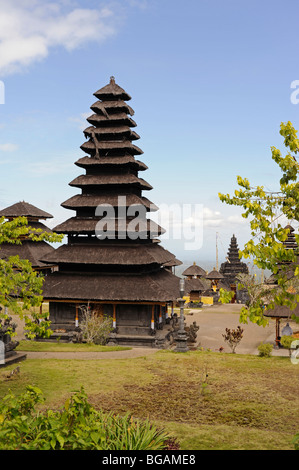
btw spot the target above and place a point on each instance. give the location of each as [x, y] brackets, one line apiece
[266, 246]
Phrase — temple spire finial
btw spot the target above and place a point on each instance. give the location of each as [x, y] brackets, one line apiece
[112, 80]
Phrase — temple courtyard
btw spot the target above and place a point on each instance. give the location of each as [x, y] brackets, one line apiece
[212, 322]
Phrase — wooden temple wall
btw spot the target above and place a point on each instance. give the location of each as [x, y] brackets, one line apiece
[133, 319]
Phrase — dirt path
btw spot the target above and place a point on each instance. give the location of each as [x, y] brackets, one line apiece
[130, 353]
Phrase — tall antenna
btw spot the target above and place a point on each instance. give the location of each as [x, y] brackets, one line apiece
[216, 251]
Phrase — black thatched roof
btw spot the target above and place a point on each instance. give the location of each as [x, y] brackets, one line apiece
[105, 107]
[101, 254]
[194, 270]
[24, 209]
[192, 285]
[94, 200]
[281, 311]
[116, 119]
[112, 161]
[110, 146]
[89, 225]
[111, 132]
[173, 262]
[290, 242]
[112, 91]
[214, 275]
[110, 179]
[28, 250]
[161, 286]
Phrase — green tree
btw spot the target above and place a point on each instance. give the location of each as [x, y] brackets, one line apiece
[266, 247]
[20, 286]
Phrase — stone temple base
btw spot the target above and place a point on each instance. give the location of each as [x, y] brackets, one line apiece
[13, 358]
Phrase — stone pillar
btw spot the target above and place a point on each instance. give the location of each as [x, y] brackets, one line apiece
[2, 352]
[181, 336]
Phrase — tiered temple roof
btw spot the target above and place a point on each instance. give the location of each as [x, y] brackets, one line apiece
[193, 284]
[109, 258]
[233, 266]
[30, 250]
[290, 242]
[194, 271]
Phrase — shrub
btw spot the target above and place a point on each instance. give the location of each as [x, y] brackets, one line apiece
[233, 337]
[37, 327]
[94, 328]
[78, 426]
[286, 342]
[296, 442]
[265, 349]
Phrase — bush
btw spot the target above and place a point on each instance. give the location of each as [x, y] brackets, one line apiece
[233, 337]
[37, 327]
[95, 328]
[296, 442]
[286, 341]
[265, 349]
[78, 426]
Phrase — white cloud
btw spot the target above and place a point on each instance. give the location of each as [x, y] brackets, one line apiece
[237, 220]
[48, 168]
[81, 120]
[212, 218]
[8, 147]
[30, 28]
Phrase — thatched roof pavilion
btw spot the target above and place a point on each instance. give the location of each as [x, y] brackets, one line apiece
[113, 257]
[193, 286]
[30, 250]
[194, 271]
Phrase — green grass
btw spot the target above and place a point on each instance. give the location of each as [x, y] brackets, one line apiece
[248, 402]
[65, 347]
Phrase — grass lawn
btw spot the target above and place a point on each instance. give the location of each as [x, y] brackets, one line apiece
[207, 400]
[65, 347]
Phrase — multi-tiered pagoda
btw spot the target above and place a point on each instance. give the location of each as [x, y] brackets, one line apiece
[233, 266]
[29, 249]
[113, 260]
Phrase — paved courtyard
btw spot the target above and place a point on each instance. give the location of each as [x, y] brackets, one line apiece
[213, 320]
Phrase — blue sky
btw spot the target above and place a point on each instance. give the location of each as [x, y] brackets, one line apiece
[210, 82]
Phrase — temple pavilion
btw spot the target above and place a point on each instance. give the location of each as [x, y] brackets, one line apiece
[193, 285]
[30, 250]
[112, 261]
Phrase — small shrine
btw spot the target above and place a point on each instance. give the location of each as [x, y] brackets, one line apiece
[193, 285]
[215, 277]
[30, 250]
[112, 261]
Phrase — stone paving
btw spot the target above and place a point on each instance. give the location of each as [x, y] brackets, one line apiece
[213, 320]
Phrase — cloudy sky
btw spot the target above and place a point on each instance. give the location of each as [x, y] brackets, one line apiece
[210, 80]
